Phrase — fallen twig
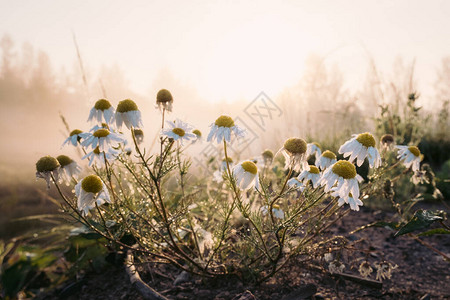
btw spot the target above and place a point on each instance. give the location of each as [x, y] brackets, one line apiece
[146, 291]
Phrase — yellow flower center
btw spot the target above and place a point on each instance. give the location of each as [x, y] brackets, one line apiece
[329, 154]
[344, 169]
[317, 144]
[250, 167]
[366, 139]
[64, 160]
[197, 132]
[178, 131]
[414, 150]
[164, 96]
[47, 164]
[96, 151]
[126, 106]
[295, 145]
[101, 133]
[229, 159]
[387, 139]
[224, 121]
[102, 104]
[314, 170]
[267, 154]
[276, 206]
[74, 132]
[92, 184]
[138, 132]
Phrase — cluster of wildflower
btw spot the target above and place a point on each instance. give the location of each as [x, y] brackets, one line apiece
[106, 142]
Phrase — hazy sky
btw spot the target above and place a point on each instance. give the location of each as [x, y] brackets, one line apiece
[233, 49]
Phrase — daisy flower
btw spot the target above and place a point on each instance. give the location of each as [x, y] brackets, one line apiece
[69, 167]
[128, 113]
[102, 110]
[359, 147]
[276, 210]
[178, 131]
[46, 167]
[97, 157]
[221, 130]
[74, 137]
[218, 175]
[294, 183]
[344, 174]
[325, 160]
[164, 100]
[267, 157]
[354, 203]
[294, 152]
[102, 138]
[410, 156]
[313, 175]
[89, 191]
[387, 142]
[139, 135]
[313, 149]
[101, 126]
[198, 136]
[246, 175]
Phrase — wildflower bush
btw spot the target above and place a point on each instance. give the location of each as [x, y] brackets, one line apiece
[246, 220]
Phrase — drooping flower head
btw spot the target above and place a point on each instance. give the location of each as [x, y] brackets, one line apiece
[74, 138]
[246, 175]
[46, 167]
[218, 175]
[198, 136]
[97, 157]
[89, 191]
[267, 157]
[127, 113]
[296, 184]
[139, 135]
[221, 130]
[410, 156]
[310, 175]
[313, 149]
[354, 203]
[178, 131]
[164, 100]
[326, 159]
[294, 152]
[387, 142]
[102, 110]
[102, 138]
[344, 174]
[69, 167]
[359, 147]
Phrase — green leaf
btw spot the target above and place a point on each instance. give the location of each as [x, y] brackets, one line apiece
[421, 219]
[435, 231]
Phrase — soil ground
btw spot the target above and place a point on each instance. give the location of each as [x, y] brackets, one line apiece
[421, 274]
